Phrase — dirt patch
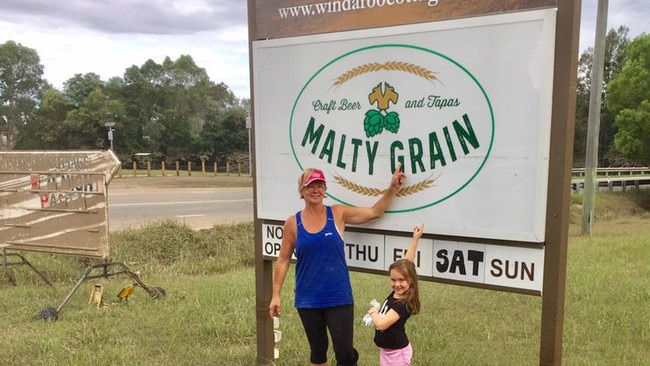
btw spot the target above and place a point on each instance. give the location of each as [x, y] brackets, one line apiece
[180, 182]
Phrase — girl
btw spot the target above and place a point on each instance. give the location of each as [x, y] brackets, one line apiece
[401, 303]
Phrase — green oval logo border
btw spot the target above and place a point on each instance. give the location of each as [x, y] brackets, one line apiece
[487, 99]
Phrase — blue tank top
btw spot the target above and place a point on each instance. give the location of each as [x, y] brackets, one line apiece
[322, 277]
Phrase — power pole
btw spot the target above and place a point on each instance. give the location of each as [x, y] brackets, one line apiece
[593, 124]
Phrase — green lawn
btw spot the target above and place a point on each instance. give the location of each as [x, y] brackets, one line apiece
[208, 316]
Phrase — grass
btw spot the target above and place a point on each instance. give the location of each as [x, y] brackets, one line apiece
[208, 317]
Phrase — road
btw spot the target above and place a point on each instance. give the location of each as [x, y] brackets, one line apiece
[197, 207]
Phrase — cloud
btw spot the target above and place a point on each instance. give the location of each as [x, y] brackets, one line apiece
[633, 14]
[130, 16]
[108, 36]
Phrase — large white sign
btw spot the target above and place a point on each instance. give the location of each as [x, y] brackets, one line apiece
[481, 264]
[464, 105]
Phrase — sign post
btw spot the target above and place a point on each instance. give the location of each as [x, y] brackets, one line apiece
[110, 133]
[559, 178]
[477, 105]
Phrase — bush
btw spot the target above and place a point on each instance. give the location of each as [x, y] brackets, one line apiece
[180, 248]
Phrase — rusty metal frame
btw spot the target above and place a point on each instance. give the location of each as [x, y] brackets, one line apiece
[52, 314]
[56, 202]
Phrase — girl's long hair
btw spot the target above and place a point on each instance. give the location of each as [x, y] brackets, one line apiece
[407, 269]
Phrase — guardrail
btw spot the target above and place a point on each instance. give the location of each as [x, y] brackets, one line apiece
[613, 178]
[617, 171]
[613, 183]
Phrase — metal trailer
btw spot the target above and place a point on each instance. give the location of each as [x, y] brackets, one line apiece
[56, 202]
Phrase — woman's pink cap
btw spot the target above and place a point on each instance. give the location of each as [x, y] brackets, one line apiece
[317, 174]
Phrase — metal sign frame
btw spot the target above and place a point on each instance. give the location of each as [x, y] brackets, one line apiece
[56, 201]
[264, 24]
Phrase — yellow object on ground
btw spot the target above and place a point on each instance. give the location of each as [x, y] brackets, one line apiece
[126, 291]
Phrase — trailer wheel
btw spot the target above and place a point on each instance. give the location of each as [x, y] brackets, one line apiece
[160, 293]
[48, 314]
[8, 276]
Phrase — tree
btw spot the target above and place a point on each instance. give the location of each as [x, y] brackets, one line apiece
[169, 104]
[46, 131]
[212, 135]
[224, 133]
[191, 94]
[629, 101]
[159, 108]
[78, 87]
[140, 92]
[21, 84]
[615, 45]
[84, 127]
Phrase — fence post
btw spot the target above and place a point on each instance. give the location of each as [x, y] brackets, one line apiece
[135, 169]
[178, 168]
[163, 168]
[189, 168]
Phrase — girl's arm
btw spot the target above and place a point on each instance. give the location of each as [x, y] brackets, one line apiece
[417, 234]
[383, 322]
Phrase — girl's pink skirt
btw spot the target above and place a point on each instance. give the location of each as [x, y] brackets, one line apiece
[396, 357]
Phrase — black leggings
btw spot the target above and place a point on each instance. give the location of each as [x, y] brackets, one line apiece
[339, 320]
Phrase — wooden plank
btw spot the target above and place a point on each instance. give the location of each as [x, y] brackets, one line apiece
[287, 18]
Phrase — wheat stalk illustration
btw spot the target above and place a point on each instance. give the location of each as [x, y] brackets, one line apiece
[390, 66]
[374, 192]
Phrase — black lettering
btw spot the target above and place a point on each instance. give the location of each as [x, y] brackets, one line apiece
[442, 266]
[272, 248]
[476, 257]
[458, 262]
[530, 272]
[274, 232]
[515, 269]
[496, 271]
[363, 252]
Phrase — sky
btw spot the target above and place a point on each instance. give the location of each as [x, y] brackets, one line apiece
[107, 37]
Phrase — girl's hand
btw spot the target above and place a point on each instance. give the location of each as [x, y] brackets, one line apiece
[417, 232]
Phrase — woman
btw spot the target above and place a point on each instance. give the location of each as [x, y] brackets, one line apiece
[323, 295]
